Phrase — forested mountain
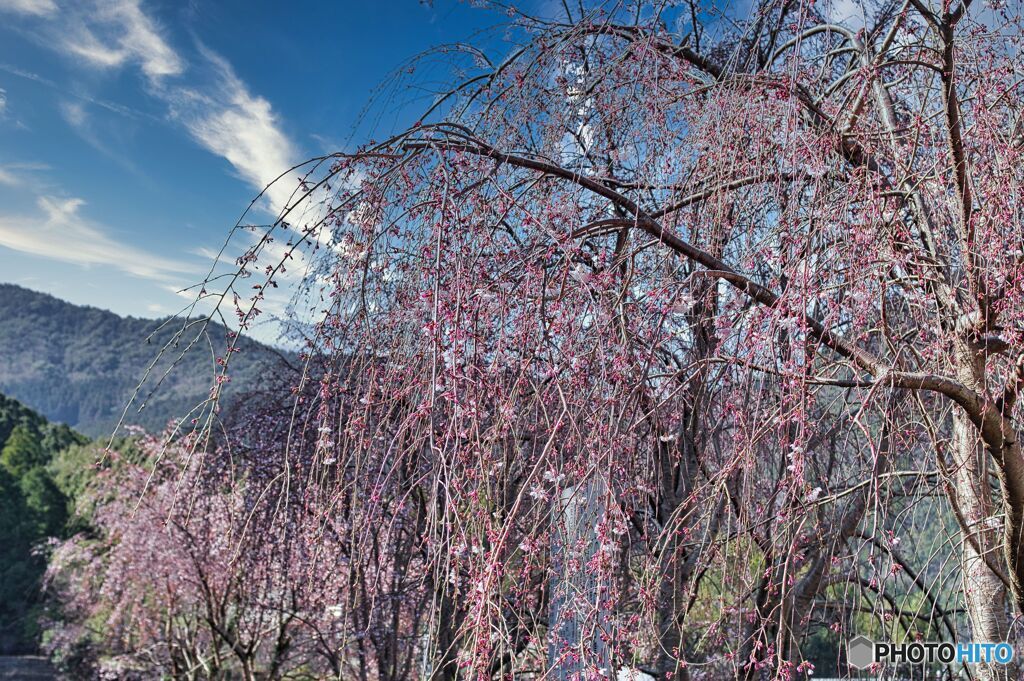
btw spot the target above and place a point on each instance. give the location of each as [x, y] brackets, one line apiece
[79, 365]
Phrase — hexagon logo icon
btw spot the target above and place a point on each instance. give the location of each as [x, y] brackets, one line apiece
[860, 652]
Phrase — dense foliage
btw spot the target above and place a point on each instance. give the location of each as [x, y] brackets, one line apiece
[81, 365]
[35, 508]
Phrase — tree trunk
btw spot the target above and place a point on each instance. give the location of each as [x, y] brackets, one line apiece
[577, 621]
[984, 591]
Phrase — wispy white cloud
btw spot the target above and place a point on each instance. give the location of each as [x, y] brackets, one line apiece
[59, 232]
[79, 118]
[111, 33]
[185, 293]
[216, 108]
[82, 42]
[3, 101]
[28, 75]
[14, 174]
[38, 8]
[74, 114]
[114, 107]
[203, 95]
[230, 121]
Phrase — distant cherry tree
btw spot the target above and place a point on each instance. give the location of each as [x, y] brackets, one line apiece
[181, 576]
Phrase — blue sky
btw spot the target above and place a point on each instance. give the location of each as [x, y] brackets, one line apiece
[133, 132]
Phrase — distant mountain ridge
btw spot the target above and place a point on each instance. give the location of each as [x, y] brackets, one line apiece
[79, 365]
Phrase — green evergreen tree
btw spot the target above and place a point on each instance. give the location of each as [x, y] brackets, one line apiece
[57, 437]
[20, 570]
[32, 508]
[47, 506]
[23, 451]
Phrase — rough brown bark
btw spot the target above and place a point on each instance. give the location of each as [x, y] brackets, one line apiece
[985, 592]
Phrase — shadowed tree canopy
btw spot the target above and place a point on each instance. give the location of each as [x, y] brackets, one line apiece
[23, 451]
[34, 510]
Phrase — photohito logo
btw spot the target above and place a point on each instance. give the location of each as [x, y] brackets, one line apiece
[862, 652]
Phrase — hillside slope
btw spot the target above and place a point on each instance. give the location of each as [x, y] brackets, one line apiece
[79, 365]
